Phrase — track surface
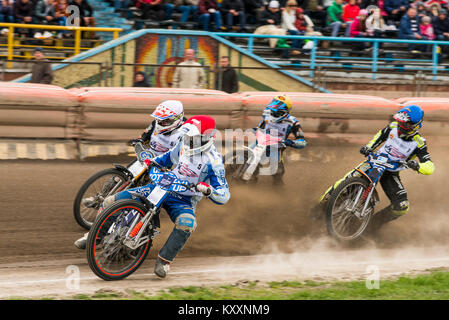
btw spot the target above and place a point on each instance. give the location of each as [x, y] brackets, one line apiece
[263, 233]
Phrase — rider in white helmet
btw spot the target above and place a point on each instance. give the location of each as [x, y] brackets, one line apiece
[161, 136]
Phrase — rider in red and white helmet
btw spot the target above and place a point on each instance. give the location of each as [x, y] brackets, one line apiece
[197, 161]
[200, 135]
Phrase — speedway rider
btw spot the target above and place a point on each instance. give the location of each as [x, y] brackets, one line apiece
[196, 160]
[402, 143]
[277, 120]
[161, 135]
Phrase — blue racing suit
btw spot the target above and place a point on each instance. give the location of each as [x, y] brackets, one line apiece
[205, 167]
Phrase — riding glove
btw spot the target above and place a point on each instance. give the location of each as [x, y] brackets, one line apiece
[412, 164]
[204, 188]
[365, 150]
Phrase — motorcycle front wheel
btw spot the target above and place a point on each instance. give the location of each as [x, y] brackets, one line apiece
[92, 193]
[341, 221]
[107, 256]
[235, 165]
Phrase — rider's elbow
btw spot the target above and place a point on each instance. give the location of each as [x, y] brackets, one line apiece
[220, 197]
[300, 144]
[426, 168]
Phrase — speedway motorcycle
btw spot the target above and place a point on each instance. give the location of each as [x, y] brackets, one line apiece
[248, 163]
[122, 235]
[351, 205]
[108, 182]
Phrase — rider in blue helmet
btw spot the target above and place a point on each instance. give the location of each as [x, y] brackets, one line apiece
[402, 141]
[277, 120]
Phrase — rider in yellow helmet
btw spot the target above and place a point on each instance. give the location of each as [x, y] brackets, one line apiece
[277, 120]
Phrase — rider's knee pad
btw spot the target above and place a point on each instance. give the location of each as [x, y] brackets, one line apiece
[185, 222]
[401, 208]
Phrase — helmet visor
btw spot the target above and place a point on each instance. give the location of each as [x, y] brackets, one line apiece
[166, 122]
[194, 142]
[408, 126]
[277, 105]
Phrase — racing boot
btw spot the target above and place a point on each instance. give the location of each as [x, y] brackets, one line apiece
[89, 202]
[81, 242]
[168, 252]
[381, 218]
[161, 267]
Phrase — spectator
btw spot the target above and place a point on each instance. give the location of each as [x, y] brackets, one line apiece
[433, 10]
[151, 9]
[395, 9]
[375, 24]
[288, 23]
[233, 10]
[314, 9]
[206, 9]
[359, 29]
[185, 7]
[23, 11]
[226, 79]
[426, 28]
[304, 24]
[441, 26]
[420, 7]
[61, 16]
[335, 17]
[271, 23]
[86, 12]
[409, 28]
[41, 71]
[45, 12]
[253, 10]
[7, 11]
[140, 80]
[350, 13]
[188, 77]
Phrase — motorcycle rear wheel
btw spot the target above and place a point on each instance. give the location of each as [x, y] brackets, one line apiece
[341, 223]
[107, 256]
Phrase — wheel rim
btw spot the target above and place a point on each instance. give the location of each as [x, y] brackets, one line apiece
[112, 257]
[94, 196]
[345, 224]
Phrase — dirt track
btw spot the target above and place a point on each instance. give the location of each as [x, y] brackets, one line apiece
[37, 228]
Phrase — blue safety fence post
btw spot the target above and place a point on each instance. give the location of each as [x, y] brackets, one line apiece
[313, 57]
[434, 61]
[250, 44]
[375, 56]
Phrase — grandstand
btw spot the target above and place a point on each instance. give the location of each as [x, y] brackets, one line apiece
[388, 58]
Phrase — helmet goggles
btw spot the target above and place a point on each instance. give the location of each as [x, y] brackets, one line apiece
[277, 108]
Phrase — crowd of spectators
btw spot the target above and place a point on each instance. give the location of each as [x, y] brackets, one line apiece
[403, 19]
[45, 12]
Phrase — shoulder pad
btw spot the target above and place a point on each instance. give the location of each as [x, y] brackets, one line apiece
[419, 140]
[393, 125]
[291, 119]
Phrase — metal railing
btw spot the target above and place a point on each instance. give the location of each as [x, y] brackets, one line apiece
[109, 75]
[11, 43]
[373, 61]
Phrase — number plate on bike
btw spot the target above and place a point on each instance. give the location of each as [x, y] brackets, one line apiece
[136, 168]
[156, 195]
